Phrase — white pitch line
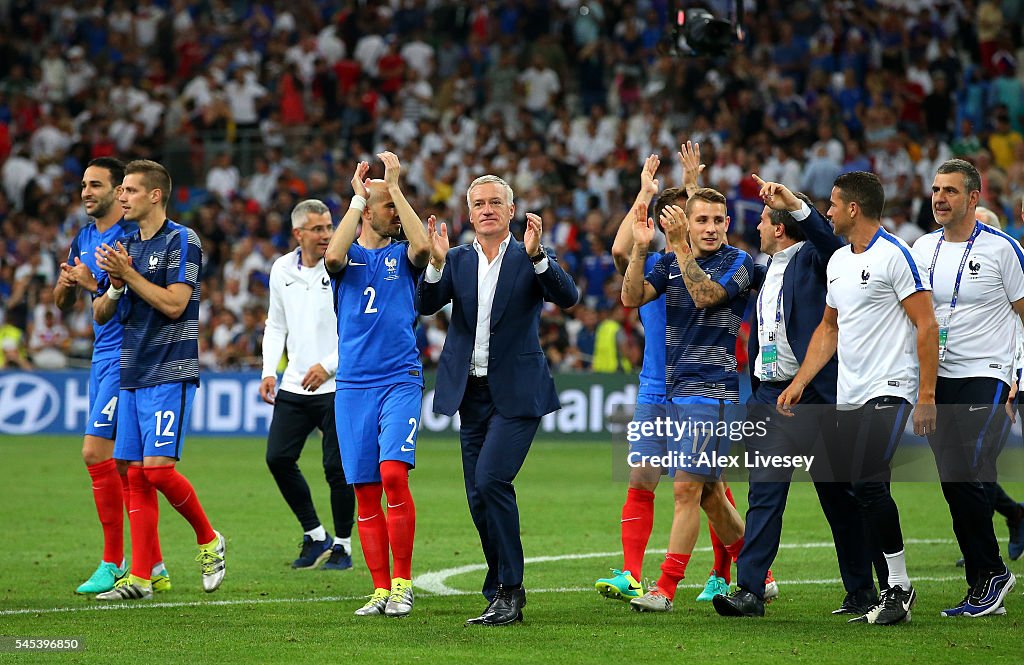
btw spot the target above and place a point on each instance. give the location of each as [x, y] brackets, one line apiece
[141, 605]
[434, 584]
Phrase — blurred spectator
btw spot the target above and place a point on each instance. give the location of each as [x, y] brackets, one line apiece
[223, 179]
[611, 342]
[49, 342]
[255, 105]
[1003, 140]
[12, 344]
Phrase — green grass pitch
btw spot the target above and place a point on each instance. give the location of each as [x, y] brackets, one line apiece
[266, 612]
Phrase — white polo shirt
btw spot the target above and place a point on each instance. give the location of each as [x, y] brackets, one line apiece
[877, 341]
[982, 326]
[301, 317]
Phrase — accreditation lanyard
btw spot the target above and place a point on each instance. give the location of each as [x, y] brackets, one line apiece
[944, 323]
[770, 352]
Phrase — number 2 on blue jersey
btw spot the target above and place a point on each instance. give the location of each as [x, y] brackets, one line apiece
[370, 309]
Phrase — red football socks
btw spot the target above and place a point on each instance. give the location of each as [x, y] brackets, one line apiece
[126, 493]
[401, 522]
[723, 560]
[734, 549]
[107, 493]
[373, 533]
[637, 522]
[142, 518]
[673, 569]
[182, 497]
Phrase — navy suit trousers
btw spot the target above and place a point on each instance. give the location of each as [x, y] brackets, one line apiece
[493, 451]
[769, 489]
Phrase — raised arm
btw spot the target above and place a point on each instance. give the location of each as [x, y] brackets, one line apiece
[622, 246]
[336, 256]
[558, 286]
[814, 225]
[419, 244]
[689, 157]
[636, 290]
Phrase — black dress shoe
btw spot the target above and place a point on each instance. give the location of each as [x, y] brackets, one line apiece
[858, 602]
[739, 603]
[507, 607]
[476, 621]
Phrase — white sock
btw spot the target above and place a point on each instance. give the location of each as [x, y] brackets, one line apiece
[898, 570]
[318, 533]
[158, 567]
[344, 542]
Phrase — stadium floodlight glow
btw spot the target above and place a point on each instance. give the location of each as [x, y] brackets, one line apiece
[705, 34]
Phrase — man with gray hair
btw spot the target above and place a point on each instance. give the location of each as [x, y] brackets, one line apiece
[302, 319]
[492, 370]
[977, 279]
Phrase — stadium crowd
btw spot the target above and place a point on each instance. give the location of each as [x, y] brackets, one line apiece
[256, 106]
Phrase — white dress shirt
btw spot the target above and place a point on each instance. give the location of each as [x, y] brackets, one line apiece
[301, 317]
[486, 284]
[768, 306]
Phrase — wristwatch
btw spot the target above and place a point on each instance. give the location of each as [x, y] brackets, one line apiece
[539, 256]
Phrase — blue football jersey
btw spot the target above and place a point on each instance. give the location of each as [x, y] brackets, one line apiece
[106, 337]
[157, 349]
[374, 298]
[700, 344]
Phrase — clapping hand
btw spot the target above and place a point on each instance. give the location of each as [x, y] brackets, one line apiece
[648, 183]
[392, 168]
[534, 229]
[439, 244]
[673, 220]
[360, 185]
[643, 227]
[115, 262]
[689, 157]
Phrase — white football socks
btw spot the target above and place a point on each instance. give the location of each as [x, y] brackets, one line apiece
[898, 570]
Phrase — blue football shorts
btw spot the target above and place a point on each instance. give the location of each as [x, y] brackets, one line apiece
[104, 385]
[701, 423]
[646, 448]
[151, 421]
[376, 425]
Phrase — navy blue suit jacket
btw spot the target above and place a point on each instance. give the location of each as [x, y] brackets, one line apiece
[803, 300]
[517, 370]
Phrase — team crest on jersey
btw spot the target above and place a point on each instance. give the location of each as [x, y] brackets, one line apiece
[974, 267]
[391, 263]
[864, 277]
[153, 261]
